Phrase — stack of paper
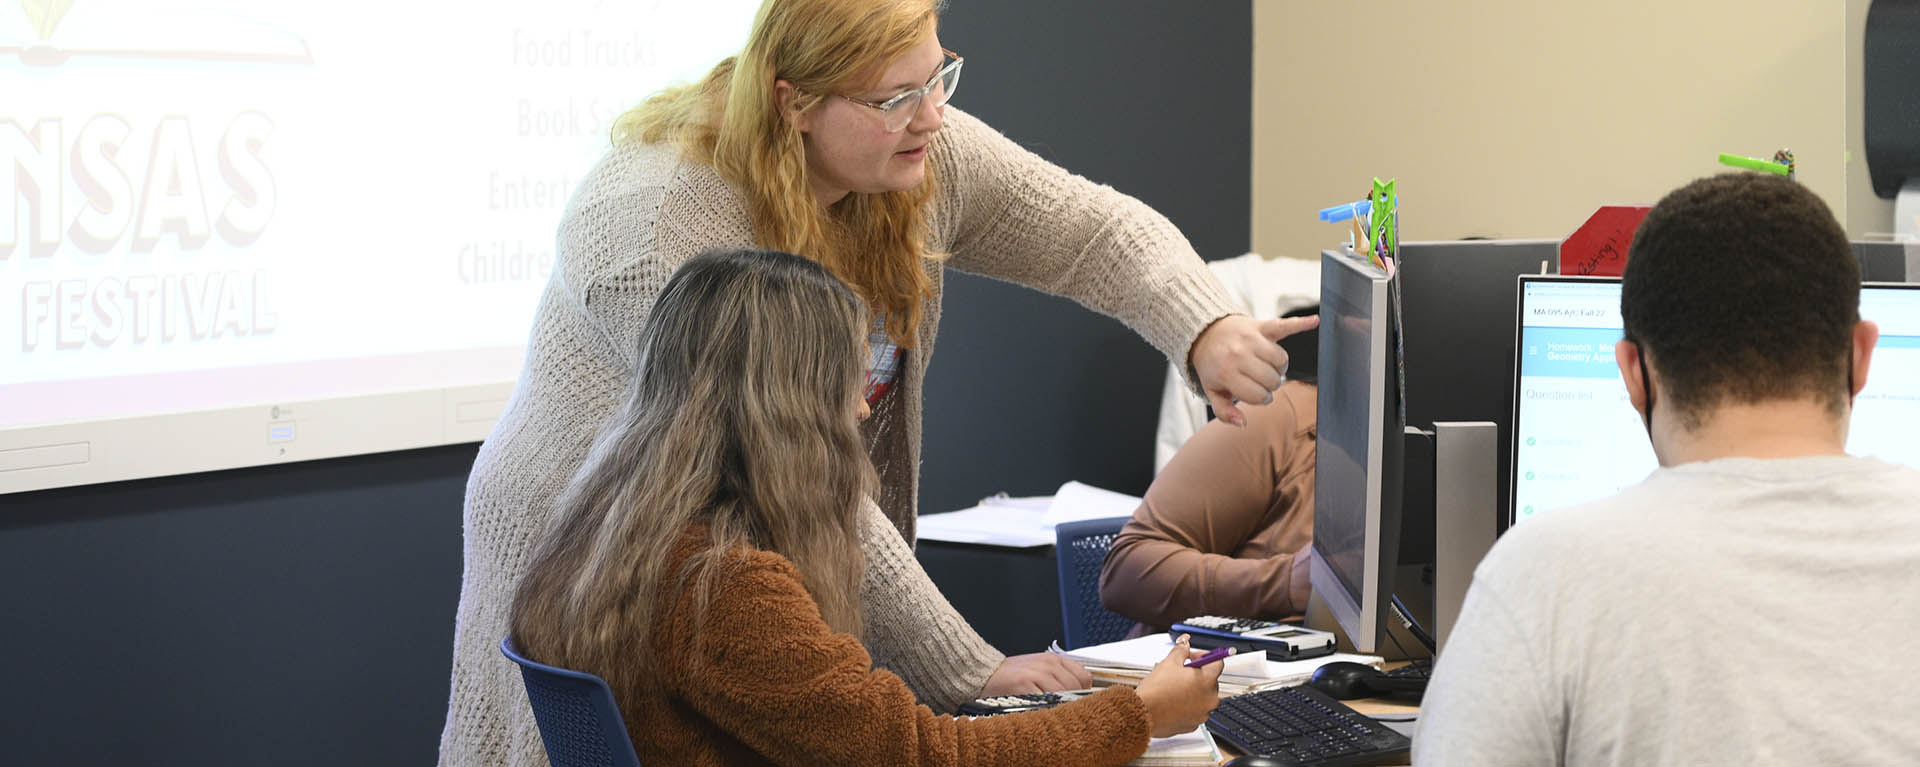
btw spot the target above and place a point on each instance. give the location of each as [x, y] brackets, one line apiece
[1076, 502]
[1193, 748]
[1127, 662]
[1025, 522]
[997, 521]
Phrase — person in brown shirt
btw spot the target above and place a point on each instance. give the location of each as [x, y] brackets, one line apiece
[1224, 529]
[706, 560]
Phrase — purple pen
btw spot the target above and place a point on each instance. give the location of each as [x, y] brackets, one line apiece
[1217, 653]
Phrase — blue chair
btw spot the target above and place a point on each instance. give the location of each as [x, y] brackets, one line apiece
[579, 722]
[1080, 548]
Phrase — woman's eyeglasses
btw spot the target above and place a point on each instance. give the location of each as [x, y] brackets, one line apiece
[896, 112]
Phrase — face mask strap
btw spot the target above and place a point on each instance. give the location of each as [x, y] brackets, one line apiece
[1646, 385]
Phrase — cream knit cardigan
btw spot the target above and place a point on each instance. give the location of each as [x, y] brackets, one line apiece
[998, 211]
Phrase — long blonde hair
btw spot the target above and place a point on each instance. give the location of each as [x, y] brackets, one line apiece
[741, 418]
[732, 121]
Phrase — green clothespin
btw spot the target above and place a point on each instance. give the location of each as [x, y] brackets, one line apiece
[1755, 163]
[1383, 224]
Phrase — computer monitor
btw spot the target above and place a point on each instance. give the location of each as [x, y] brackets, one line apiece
[1576, 438]
[1886, 261]
[1357, 471]
[1456, 299]
[1457, 305]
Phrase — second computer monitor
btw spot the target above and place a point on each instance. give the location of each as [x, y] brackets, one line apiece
[1576, 438]
[1456, 301]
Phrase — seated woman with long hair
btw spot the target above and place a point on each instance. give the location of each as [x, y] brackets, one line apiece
[706, 559]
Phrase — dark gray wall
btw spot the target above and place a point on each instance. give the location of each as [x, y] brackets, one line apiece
[303, 614]
[1027, 391]
[289, 615]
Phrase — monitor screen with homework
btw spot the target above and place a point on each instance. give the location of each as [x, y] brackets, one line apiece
[1576, 438]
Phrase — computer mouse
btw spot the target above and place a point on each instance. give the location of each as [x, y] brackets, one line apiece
[1257, 760]
[1343, 680]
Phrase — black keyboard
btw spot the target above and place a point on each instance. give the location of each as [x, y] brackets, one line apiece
[1420, 669]
[1301, 725]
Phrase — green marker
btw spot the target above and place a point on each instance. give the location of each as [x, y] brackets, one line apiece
[1754, 163]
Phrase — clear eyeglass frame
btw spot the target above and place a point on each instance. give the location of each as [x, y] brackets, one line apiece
[896, 112]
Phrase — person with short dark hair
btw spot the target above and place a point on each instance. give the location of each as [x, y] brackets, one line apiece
[1744, 604]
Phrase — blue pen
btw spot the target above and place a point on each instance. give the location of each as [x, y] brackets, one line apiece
[1217, 653]
[1345, 211]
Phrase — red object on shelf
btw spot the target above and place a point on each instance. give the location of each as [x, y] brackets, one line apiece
[1599, 246]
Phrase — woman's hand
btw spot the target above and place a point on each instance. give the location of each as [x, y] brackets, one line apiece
[1239, 359]
[1036, 672]
[1178, 698]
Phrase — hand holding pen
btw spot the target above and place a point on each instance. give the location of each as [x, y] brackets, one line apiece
[1215, 654]
[1179, 694]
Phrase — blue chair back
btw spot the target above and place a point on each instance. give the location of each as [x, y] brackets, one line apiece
[579, 722]
[1080, 548]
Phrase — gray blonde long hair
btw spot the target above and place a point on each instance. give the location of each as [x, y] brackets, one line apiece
[741, 418]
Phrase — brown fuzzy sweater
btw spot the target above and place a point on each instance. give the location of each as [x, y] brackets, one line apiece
[759, 678]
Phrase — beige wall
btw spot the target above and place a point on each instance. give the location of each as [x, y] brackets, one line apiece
[1516, 118]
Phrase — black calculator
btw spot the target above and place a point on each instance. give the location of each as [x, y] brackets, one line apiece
[1282, 641]
[1007, 704]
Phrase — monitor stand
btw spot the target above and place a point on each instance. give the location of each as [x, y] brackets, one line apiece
[1466, 513]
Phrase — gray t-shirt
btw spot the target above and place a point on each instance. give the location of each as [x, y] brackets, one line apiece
[1736, 611]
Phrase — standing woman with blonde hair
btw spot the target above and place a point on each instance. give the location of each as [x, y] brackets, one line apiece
[707, 563]
[829, 136]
